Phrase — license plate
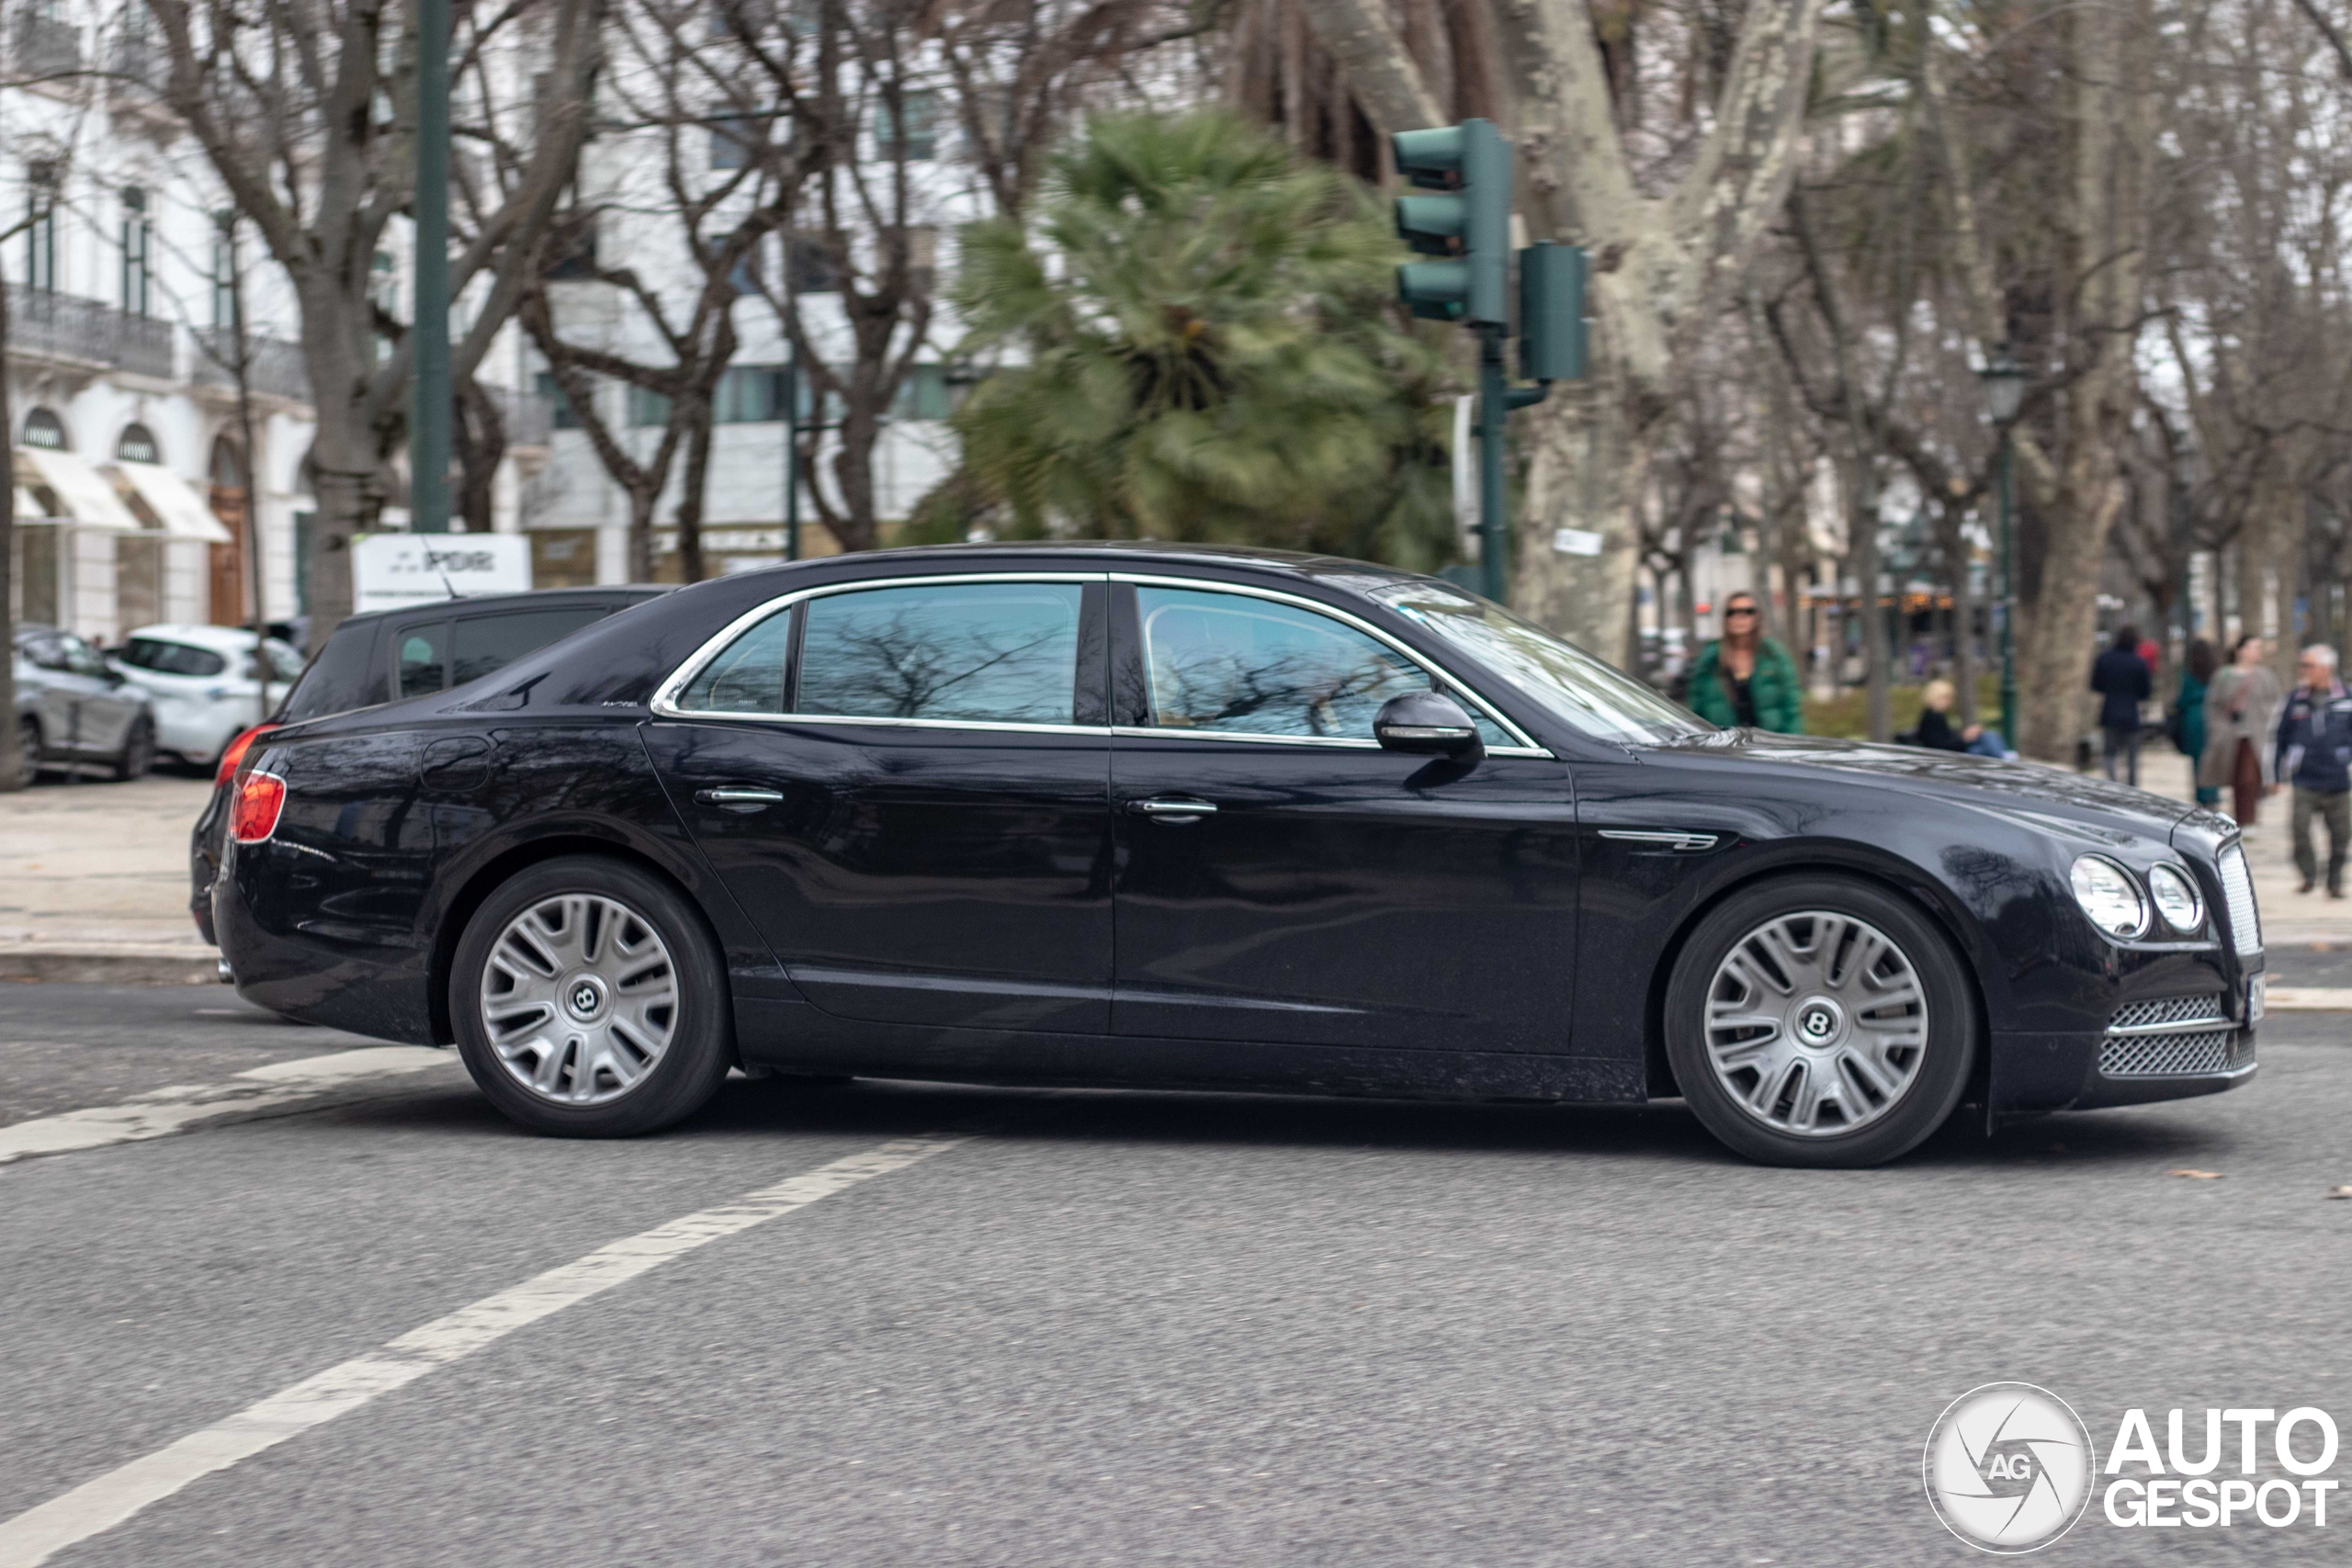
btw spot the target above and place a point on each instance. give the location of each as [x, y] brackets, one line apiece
[2254, 999]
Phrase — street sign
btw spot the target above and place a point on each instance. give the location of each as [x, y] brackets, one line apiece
[391, 570]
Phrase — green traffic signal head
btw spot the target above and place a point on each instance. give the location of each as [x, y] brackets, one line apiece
[1429, 158]
[1435, 291]
[1431, 224]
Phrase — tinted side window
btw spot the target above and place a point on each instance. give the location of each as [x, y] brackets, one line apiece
[748, 674]
[422, 657]
[344, 676]
[1229, 662]
[485, 643]
[981, 652]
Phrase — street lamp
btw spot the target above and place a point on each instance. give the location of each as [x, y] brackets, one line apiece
[2004, 392]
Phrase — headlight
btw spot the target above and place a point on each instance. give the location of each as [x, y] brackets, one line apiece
[2175, 898]
[2109, 896]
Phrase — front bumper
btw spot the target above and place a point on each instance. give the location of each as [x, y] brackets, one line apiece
[2171, 1026]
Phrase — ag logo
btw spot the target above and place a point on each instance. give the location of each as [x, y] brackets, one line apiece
[2009, 1467]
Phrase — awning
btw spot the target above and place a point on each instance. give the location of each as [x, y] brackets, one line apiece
[87, 499]
[175, 502]
[28, 509]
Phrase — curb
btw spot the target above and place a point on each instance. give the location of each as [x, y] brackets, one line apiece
[110, 964]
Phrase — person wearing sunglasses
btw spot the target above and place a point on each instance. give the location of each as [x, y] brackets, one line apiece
[1745, 678]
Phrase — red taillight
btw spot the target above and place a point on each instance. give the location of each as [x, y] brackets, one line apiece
[234, 752]
[260, 798]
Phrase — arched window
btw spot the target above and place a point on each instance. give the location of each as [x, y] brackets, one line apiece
[44, 429]
[228, 470]
[138, 445]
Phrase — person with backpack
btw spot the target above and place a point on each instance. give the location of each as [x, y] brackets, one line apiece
[2197, 673]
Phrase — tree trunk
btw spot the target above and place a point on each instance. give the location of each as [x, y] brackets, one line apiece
[1579, 545]
[9, 762]
[2113, 136]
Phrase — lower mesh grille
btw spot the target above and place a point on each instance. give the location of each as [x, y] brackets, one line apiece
[2169, 1009]
[2167, 1056]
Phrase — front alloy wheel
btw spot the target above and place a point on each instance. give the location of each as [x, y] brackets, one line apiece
[1816, 1023]
[1820, 1021]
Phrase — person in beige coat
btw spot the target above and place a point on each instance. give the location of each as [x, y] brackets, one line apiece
[2241, 715]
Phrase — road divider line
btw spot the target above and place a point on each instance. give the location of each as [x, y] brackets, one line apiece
[175, 1108]
[101, 1503]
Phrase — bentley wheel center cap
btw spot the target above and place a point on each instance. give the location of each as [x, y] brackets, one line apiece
[1819, 1021]
[584, 998]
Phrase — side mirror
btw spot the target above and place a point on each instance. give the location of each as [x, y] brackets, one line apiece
[1426, 724]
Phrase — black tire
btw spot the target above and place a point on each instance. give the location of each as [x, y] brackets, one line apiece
[1890, 1125]
[700, 1046]
[137, 753]
[28, 753]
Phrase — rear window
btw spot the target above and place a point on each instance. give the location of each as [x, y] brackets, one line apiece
[487, 643]
[422, 657]
[172, 658]
[345, 675]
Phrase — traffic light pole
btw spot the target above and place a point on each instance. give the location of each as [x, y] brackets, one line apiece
[1494, 529]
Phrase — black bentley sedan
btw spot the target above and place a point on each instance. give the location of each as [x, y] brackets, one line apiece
[1212, 818]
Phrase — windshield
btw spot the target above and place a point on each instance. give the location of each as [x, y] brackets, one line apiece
[1596, 698]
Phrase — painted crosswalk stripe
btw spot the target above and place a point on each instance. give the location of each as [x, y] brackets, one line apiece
[176, 1108]
[101, 1503]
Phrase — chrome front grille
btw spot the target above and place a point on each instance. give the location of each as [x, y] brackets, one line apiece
[2170, 1011]
[2173, 1037]
[2166, 1055]
[2237, 892]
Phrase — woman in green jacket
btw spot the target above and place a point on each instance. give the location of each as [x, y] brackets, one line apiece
[1745, 678]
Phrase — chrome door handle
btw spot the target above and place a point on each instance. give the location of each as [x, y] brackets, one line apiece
[1169, 808]
[734, 794]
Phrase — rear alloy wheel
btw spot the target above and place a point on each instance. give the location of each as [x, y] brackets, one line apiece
[137, 753]
[1819, 1021]
[590, 1000]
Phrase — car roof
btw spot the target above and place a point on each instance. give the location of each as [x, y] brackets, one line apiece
[1121, 555]
[233, 639]
[530, 599]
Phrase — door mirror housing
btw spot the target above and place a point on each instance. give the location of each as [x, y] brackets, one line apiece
[1426, 724]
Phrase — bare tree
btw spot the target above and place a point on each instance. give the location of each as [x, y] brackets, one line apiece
[305, 109]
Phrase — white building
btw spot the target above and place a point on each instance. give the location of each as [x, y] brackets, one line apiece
[134, 491]
[578, 518]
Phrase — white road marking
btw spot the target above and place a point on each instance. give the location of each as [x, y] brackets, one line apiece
[161, 1111]
[100, 1504]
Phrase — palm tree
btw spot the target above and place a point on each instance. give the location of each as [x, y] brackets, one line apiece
[1203, 345]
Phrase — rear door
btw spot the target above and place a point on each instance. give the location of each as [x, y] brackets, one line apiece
[906, 786]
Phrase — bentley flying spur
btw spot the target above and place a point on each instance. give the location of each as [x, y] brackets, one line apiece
[1207, 818]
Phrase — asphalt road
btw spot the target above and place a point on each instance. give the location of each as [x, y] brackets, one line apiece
[1112, 1328]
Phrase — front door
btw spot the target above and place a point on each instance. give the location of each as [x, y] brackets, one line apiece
[907, 788]
[1284, 879]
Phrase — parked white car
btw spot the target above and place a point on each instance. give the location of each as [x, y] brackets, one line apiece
[206, 683]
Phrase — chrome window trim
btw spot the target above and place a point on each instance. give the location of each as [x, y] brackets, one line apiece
[1525, 747]
[665, 696]
[664, 703]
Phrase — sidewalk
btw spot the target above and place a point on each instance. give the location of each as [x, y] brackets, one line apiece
[93, 877]
[93, 881]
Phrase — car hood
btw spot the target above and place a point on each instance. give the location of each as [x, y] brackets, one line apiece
[2053, 799]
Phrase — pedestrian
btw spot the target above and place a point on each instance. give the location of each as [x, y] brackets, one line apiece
[2315, 754]
[2188, 711]
[1745, 678]
[2121, 678]
[1935, 730]
[2241, 713]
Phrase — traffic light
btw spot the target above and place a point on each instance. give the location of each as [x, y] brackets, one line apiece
[1551, 312]
[1469, 225]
